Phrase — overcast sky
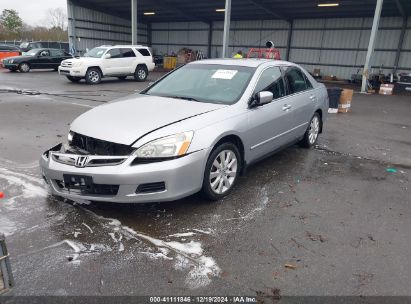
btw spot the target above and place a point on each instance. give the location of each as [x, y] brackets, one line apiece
[32, 12]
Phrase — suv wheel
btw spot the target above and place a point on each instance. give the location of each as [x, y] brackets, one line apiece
[93, 76]
[313, 130]
[73, 79]
[221, 171]
[24, 67]
[141, 73]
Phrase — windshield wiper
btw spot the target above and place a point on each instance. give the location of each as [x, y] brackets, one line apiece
[182, 97]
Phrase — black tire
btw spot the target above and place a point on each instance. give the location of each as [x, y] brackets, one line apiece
[207, 189]
[307, 141]
[93, 76]
[73, 79]
[141, 73]
[24, 67]
[122, 77]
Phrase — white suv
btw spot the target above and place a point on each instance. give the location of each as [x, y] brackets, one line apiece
[109, 61]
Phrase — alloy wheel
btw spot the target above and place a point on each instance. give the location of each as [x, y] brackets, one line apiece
[94, 76]
[223, 171]
[141, 74]
[314, 130]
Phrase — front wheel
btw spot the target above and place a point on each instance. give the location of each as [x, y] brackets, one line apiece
[93, 76]
[141, 73]
[73, 79]
[221, 171]
[313, 130]
[24, 67]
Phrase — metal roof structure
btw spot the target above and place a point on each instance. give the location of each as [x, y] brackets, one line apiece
[205, 10]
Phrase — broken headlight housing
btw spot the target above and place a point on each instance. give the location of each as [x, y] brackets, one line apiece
[169, 146]
[70, 137]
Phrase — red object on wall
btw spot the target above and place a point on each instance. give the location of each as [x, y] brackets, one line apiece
[1, 195]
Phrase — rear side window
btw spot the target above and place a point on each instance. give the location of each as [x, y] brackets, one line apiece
[57, 53]
[128, 53]
[115, 53]
[297, 81]
[144, 52]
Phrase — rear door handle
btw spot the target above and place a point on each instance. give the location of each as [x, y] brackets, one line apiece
[286, 107]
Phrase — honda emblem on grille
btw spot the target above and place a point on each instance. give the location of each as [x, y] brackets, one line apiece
[81, 161]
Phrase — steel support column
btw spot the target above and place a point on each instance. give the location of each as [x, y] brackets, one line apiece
[149, 34]
[226, 34]
[134, 24]
[400, 43]
[210, 39]
[371, 45]
[289, 38]
[71, 27]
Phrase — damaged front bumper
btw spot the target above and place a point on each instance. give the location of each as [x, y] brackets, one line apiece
[121, 179]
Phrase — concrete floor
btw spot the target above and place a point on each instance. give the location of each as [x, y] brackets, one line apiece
[333, 212]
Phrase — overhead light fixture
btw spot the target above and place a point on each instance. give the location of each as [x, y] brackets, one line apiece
[220, 10]
[327, 4]
[149, 13]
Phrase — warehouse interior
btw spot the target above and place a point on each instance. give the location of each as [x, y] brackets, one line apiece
[334, 39]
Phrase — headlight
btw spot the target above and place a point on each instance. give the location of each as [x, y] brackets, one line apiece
[70, 137]
[170, 146]
[77, 64]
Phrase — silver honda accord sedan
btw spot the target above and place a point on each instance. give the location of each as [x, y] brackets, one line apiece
[197, 128]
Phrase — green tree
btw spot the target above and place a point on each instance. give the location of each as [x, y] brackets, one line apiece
[11, 21]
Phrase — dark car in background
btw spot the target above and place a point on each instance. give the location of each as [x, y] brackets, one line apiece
[36, 59]
[27, 46]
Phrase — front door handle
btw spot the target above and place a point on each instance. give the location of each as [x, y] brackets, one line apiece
[313, 98]
[286, 107]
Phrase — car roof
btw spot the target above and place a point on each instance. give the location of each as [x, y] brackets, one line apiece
[246, 62]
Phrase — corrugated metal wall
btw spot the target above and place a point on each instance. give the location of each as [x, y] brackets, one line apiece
[336, 46]
[93, 28]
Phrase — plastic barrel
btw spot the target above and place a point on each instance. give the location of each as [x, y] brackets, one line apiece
[334, 96]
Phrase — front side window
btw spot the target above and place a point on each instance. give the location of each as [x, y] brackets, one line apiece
[296, 80]
[212, 83]
[271, 80]
[44, 53]
[128, 53]
[115, 53]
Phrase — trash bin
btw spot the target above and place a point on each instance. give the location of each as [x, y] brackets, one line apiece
[6, 277]
[334, 96]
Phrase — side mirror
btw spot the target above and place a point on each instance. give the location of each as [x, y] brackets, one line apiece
[107, 56]
[261, 98]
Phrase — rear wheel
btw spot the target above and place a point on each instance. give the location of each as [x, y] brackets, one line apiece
[24, 67]
[93, 76]
[73, 79]
[222, 171]
[313, 130]
[122, 77]
[141, 73]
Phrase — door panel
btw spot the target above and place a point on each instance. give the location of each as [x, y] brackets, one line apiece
[270, 124]
[303, 98]
[113, 65]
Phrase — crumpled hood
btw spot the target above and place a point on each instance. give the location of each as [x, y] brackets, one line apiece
[127, 120]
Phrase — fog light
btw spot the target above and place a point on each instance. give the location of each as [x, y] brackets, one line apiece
[6, 277]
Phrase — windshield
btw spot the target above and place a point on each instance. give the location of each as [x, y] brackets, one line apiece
[24, 45]
[32, 52]
[205, 83]
[95, 53]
